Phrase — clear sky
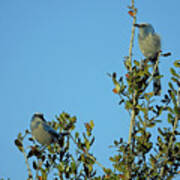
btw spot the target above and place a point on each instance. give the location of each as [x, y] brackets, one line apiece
[54, 56]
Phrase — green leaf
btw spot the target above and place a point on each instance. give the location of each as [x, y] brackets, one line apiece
[44, 174]
[91, 124]
[107, 170]
[177, 111]
[170, 109]
[175, 80]
[76, 135]
[19, 144]
[177, 63]
[136, 63]
[73, 166]
[20, 137]
[61, 167]
[87, 144]
[128, 105]
[116, 143]
[158, 121]
[173, 72]
[141, 108]
[73, 119]
[171, 86]
[150, 125]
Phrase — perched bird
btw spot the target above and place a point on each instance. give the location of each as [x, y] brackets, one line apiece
[150, 46]
[42, 132]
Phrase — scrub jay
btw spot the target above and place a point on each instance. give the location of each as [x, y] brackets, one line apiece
[150, 46]
[42, 132]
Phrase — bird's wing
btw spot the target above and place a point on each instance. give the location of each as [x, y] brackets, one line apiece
[150, 45]
[50, 130]
[155, 42]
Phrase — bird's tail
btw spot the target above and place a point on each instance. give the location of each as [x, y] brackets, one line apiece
[156, 80]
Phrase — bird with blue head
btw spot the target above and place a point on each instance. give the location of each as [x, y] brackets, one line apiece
[42, 132]
[150, 46]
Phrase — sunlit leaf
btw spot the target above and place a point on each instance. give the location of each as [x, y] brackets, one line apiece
[132, 13]
[117, 88]
[177, 111]
[173, 72]
[177, 63]
[76, 135]
[136, 63]
[91, 124]
[19, 144]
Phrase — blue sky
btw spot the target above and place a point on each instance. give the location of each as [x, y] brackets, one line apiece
[55, 56]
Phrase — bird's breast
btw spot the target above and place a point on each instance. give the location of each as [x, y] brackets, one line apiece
[149, 45]
[42, 136]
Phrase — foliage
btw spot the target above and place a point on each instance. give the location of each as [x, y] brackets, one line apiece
[140, 157]
[57, 158]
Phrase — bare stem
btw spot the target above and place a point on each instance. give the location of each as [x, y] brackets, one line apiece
[132, 35]
[27, 164]
[130, 62]
[132, 122]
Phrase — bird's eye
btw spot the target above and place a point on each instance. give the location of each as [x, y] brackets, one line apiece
[143, 25]
[41, 115]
